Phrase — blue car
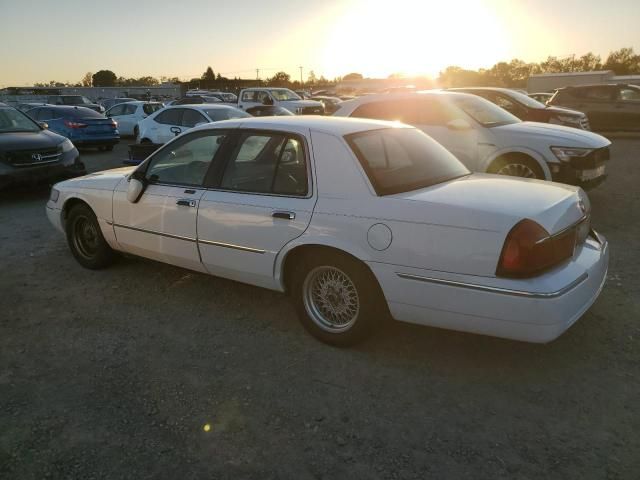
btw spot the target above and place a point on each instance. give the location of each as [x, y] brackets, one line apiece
[83, 126]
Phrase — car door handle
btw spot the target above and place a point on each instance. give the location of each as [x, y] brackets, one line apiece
[284, 215]
[185, 202]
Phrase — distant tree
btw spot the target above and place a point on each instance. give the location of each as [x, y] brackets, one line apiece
[104, 78]
[311, 78]
[208, 78]
[623, 62]
[280, 79]
[454, 76]
[173, 80]
[352, 76]
[589, 62]
[87, 79]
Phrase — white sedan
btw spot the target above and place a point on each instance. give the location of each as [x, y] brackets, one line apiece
[358, 220]
[128, 114]
[170, 122]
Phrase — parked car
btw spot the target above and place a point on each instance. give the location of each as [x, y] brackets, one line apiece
[268, 111]
[127, 115]
[29, 152]
[609, 107]
[331, 104]
[528, 109]
[83, 126]
[162, 126]
[542, 97]
[487, 138]
[25, 107]
[281, 97]
[379, 220]
[225, 97]
[110, 102]
[76, 100]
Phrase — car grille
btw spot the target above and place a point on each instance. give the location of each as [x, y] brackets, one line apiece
[29, 158]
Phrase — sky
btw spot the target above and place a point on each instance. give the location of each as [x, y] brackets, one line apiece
[43, 40]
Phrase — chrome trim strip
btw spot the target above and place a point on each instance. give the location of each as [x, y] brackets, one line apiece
[504, 291]
[167, 235]
[231, 245]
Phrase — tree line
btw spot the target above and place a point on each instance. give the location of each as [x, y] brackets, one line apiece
[516, 72]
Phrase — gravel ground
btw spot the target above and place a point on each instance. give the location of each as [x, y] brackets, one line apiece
[148, 371]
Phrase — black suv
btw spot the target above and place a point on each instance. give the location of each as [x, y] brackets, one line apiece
[29, 152]
[528, 109]
[609, 107]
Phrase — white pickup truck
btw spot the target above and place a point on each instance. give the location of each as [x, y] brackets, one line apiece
[281, 97]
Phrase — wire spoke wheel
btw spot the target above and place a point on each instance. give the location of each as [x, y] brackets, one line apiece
[331, 299]
[517, 170]
[85, 237]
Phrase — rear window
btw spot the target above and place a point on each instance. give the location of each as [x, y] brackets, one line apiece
[218, 114]
[87, 113]
[149, 108]
[403, 159]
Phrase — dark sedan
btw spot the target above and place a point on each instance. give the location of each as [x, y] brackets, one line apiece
[609, 107]
[528, 109]
[75, 100]
[29, 152]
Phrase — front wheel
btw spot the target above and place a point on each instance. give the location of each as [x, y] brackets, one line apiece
[337, 298]
[522, 167]
[85, 239]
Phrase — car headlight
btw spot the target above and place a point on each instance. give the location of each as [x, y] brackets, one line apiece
[66, 146]
[568, 119]
[565, 154]
[55, 194]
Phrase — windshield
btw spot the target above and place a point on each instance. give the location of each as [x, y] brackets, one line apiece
[525, 99]
[217, 114]
[483, 111]
[12, 120]
[284, 94]
[403, 159]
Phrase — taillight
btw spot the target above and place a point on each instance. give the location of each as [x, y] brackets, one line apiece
[529, 249]
[71, 124]
[114, 124]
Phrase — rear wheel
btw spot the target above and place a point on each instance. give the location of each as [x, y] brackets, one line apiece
[85, 239]
[517, 166]
[337, 298]
[136, 131]
[145, 141]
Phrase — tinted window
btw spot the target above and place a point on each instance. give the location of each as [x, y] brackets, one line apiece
[403, 159]
[12, 120]
[149, 108]
[44, 114]
[593, 93]
[117, 110]
[483, 111]
[628, 93]
[267, 163]
[191, 118]
[398, 110]
[82, 112]
[187, 161]
[172, 116]
[129, 109]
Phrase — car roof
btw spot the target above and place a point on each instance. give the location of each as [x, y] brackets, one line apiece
[376, 97]
[336, 125]
[201, 106]
[64, 108]
[489, 89]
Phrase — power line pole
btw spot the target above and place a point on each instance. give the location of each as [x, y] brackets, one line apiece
[301, 82]
[257, 74]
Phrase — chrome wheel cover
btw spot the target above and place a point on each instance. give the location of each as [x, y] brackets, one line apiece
[517, 170]
[331, 299]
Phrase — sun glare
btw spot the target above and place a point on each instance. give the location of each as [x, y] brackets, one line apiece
[414, 37]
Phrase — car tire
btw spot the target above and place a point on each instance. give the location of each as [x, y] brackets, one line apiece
[337, 298]
[85, 239]
[145, 141]
[136, 132]
[517, 166]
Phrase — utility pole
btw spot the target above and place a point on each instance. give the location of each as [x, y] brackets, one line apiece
[301, 82]
[257, 74]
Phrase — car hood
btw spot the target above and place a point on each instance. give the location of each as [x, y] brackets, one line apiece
[564, 111]
[523, 133]
[496, 203]
[29, 140]
[105, 180]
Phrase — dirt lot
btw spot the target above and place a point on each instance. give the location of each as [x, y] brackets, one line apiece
[149, 371]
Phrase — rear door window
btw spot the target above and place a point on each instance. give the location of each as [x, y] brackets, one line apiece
[191, 118]
[629, 94]
[248, 96]
[405, 111]
[149, 108]
[173, 116]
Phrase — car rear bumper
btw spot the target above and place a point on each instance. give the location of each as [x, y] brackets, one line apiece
[97, 141]
[534, 310]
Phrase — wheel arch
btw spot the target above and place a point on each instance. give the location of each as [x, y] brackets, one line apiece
[505, 152]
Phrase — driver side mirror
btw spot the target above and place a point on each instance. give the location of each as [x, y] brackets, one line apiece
[458, 124]
[137, 184]
[43, 125]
